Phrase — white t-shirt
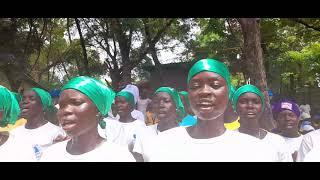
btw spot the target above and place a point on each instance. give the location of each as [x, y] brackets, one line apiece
[293, 144]
[177, 145]
[38, 139]
[122, 133]
[145, 133]
[105, 152]
[313, 155]
[309, 141]
[138, 115]
[280, 146]
[142, 105]
[11, 151]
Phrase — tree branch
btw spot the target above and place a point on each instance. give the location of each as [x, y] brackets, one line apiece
[305, 24]
[85, 56]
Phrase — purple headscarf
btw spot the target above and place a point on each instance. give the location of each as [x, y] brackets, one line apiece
[285, 105]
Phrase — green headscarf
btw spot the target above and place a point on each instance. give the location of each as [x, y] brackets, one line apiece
[9, 106]
[244, 89]
[211, 65]
[186, 97]
[176, 98]
[128, 96]
[101, 95]
[46, 100]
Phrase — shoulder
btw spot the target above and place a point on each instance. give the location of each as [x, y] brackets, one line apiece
[311, 137]
[313, 155]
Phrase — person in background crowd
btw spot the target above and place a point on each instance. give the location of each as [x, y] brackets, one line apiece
[287, 113]
[169, 110]
[38, 132]
[310, 140]
[10, 110]
[144, 100]
[249, 102]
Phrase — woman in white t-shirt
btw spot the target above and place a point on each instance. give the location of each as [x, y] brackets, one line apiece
[9, 112]
[209, 91]
[168, 108]
[287, 113]
[38, 132]
[83, 102]
[123, 131]
[249, 103]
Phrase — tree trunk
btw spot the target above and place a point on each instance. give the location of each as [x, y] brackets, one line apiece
[85, 57]
[254, 62]
[157, 63]
[124, 45]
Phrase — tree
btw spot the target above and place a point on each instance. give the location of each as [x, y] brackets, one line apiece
[254, 62]
[125, 41]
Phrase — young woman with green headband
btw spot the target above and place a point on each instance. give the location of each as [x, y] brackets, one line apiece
[230, 116]
[9, 112]
[208, 140]
[38, 132]
[169, 109]
[10, 100]
[83, 103]
[249, 103]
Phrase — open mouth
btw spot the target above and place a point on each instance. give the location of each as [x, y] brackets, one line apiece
[67, 125]
[251, 114]
[205, 105]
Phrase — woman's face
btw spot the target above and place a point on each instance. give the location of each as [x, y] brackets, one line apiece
[164, 106]
[31, 105]
[208, 95]
[123, 107]
[77, 113]
[287, 121]
[249, 107]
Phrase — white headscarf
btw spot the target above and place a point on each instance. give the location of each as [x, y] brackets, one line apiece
[133, 90]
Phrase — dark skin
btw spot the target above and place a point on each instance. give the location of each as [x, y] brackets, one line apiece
[144, 93]
[3, 135]
[288, 123]
[124, 109]
[31, 109]
[249, 107]
[78, 117]
[165, 111]
[208, 95]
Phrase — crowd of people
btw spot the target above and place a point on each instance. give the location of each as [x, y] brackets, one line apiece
[210, 121]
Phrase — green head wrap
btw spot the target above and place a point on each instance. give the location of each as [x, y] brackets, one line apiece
[186, 97]
[211, 65]
[101, 95]
[9, 105]
[245, 89]
[176, 98]
[45, 98]
[128, 96]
